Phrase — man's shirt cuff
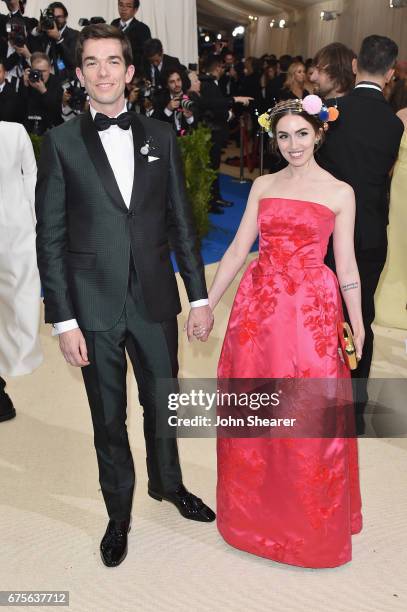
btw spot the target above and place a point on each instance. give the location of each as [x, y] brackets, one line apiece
[198, 303]
[64, 326]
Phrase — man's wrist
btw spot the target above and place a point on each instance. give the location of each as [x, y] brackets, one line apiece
[199, 303]
[64, 326]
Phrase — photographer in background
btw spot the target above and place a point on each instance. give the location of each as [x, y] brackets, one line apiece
[41, 96]
[156, 63]
[229, 81]
[10, 109]
[74, 99]
[16, 41]
[136, 31]
[172, 105]
[53, 37]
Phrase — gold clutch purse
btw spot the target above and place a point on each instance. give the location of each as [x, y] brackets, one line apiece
[347, 345]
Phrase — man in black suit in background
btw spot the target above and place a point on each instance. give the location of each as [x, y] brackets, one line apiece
[103, 230]
[136, 31]
[16, 47]
[157, 64]
[361, 148]
[167, 105]
[10, 106]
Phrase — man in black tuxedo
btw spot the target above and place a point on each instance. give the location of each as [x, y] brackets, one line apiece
[274, 87]
[103, 231]
[136, 31]
[10, 107]
[216, 112]
[156, 63]
[361, 148]
[58, 42]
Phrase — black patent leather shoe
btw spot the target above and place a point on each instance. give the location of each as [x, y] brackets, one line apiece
[224, 203]
[189, 505]
[113, 547]
[7, 410]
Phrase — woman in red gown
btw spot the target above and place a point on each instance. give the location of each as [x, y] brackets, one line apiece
[293, 500]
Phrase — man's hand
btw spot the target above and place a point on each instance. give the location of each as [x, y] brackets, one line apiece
[54, 33]
[174, 104]
[245, 100]
[25, 77]
[73, 347]
[23, 51]
[188, 114]
[39, 86]
[200, 323]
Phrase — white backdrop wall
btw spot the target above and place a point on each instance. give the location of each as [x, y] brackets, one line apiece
[358, 19]
[174, 22]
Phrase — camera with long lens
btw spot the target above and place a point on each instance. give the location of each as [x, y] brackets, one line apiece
[17, 32]
[78, 95]
[92, 21]
[47, 19]
[35, 76]
[187, 104]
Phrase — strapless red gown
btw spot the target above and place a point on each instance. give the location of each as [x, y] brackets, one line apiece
[293, 500]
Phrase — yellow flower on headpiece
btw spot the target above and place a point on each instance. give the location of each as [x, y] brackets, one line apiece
[265, 122]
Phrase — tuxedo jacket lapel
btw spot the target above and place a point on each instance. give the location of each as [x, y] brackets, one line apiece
[99, 159]
[140, 164]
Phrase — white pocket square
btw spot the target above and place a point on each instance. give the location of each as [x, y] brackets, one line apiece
[151, 158]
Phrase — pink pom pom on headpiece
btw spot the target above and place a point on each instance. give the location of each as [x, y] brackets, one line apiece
[312, 104]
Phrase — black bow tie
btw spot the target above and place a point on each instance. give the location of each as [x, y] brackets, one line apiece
[103, 122]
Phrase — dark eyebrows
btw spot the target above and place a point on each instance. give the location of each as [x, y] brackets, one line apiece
[93, 58]
[280, 132]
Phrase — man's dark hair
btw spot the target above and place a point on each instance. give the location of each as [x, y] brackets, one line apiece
[59, 5]
[186, 83]
[377, 55]
[103, 31]
[153, 46]
[136, 4]
[213, 62]
[336, 60]
[285, 62]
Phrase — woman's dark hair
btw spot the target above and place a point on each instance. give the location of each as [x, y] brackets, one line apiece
[315, 123]
[377, 55]
[398, 98]
[103, 31]
[336, 60]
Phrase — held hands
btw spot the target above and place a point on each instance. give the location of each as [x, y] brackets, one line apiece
[200, 323]
[73, 347]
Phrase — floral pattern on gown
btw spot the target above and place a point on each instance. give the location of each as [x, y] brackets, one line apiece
[293, 500]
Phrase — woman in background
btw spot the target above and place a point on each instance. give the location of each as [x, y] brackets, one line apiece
[20, 292]
[391, 295]
[294, 87]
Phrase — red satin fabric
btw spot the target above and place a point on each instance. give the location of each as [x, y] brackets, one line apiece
[293, 500]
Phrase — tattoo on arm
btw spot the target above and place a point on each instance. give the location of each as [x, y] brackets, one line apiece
[349, 286]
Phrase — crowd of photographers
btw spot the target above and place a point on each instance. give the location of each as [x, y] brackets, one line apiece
[39, 88]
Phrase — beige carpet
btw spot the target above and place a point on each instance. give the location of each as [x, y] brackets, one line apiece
[52, 515]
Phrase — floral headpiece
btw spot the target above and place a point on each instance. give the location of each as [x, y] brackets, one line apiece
[312, 104]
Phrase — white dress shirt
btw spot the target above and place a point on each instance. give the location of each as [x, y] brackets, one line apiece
[119, 148]
[369, 86]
